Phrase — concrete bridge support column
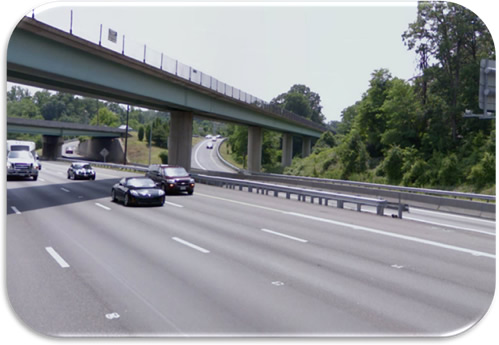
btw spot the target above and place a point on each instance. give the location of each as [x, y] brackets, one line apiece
[180, 139]
[306, 147]
[254, 149]
[287, 149]
[52, 146]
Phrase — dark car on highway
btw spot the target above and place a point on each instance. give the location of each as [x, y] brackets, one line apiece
[171, 178]
[81, 170]
[138, 191]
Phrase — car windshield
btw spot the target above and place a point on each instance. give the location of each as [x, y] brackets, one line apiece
[174, 171]
[141, 183]
[82, 166]
[20, 154]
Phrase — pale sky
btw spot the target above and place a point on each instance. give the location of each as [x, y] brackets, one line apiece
[260, 49]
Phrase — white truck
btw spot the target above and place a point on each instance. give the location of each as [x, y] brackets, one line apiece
[22, 159]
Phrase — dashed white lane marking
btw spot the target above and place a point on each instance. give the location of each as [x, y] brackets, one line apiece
[188, 244]
[102, 206]
[395, 235]
[40, 179]
[361, 228]
[284, 235]
[173, 204]
[57, 257]
[65, 190]
[15, 210]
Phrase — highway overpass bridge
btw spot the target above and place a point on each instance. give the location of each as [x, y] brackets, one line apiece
[43, 56]
[54, 131]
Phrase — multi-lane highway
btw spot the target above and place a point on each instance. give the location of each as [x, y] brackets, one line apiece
[225, 262]
[207, 159]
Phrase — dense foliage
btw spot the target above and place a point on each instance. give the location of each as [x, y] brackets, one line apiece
[414, 133]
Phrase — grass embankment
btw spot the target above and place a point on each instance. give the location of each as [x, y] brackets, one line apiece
[138, 151]
[226, 154]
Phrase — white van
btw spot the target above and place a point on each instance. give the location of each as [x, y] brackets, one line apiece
[23, 145]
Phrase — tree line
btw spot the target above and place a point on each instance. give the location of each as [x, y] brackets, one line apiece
[413, 132]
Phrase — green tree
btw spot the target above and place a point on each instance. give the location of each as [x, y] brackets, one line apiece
[456, 39]
[105, 117]
[403, 114]
[301, 101]
[140, 133]
[370, 120]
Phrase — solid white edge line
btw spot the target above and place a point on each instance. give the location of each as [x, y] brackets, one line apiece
[394, 235]
[196, 155]
[13, 208]
[188, 244]
[361, 228]
[284, 235]
[172, 204]
[450, 215]
[450, 226]
[57, 257]
[102, 206]
[65, 190]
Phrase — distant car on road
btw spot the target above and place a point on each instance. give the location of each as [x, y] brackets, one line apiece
[81, 170]
[138, 191]
[209, 145]
[69, 150]
[171, 178]
[208, 136]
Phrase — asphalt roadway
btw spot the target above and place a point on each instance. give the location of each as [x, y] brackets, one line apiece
[229, 263]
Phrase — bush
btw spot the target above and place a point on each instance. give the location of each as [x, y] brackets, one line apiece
[163, 155]
[392, 165]
[140, 134]
[484, 172]
[417, 176]
[448, 174]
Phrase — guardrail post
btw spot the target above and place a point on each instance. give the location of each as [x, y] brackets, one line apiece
[359, 207]
[400, 209]
[380, 210]
[339, 204]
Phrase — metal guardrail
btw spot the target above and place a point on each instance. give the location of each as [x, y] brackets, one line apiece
[302, 194]
[385, 187]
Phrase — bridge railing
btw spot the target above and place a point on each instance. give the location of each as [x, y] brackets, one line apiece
[106, 37]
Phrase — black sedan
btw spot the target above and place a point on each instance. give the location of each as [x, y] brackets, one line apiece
[81, 170]
[138, 191]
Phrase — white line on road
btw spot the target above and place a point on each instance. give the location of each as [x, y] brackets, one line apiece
[40, 179]
[172, 204]
[450, 226]
[57, 257]
[284, 235]
[65, 190]
[450, 215]
[15, 210]
[102, 206]
[360, 228]
[196, 155]
[394, 235]
[188, 244]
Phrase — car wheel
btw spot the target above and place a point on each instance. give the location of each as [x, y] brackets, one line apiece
[190, 192]
[93, 177]
[69, 176]
[162, 202]
[113, 195]
[35, 177]
[126, 202]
